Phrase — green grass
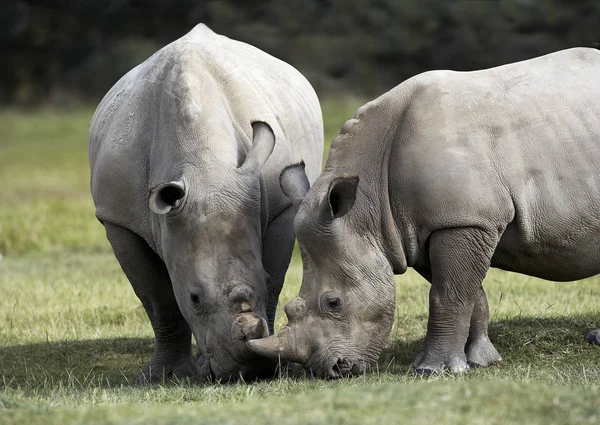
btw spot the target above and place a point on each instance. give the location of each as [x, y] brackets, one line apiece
[73, 336]
[44, 176]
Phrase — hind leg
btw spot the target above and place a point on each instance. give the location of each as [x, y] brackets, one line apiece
[150, 280]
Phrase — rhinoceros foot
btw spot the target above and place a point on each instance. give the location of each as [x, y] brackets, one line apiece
[482, 353]
[158, 371]
[427, 364]
[594, 337]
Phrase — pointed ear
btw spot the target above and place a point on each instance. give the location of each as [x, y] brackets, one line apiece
[340, 197]
[166, 196]
[294, 183]
[263, 142]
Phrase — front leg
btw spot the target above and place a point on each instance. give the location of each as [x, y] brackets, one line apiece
[278, 244]
[480, 350]
[459, 261]
[172, 358]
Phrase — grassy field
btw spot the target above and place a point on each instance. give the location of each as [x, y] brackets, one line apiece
[73, 336]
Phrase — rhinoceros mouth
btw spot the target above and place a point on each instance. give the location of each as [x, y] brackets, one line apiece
[206, 370]
[339, 367]
[247, 369]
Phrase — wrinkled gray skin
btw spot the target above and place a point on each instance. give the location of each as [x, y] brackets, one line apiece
[449, 173]
[186, 152]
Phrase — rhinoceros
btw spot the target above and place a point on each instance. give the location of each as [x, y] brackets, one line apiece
[186, 151]
[449, 173]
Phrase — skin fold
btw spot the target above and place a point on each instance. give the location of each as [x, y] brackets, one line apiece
[449, 173]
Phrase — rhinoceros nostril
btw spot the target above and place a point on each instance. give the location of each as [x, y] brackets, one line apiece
[341, 367]
[358, 369]
[333, 372]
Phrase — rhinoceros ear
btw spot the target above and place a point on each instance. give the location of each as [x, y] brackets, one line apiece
[294, 183]
[263, 142]
[341, 196]
[166, 196]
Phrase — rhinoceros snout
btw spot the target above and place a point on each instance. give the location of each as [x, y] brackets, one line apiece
[242, 296]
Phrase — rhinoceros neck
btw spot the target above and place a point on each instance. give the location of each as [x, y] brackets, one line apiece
[363, 149]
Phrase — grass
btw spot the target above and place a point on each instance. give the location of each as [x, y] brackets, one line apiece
[73, 336]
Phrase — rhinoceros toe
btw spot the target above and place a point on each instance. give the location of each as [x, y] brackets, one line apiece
[482, 353]
[431, 365]
[594, 337]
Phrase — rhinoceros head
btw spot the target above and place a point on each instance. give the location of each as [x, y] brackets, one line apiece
[342, 316]
[209, 225]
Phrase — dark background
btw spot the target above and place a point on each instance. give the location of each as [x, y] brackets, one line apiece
[71, 51]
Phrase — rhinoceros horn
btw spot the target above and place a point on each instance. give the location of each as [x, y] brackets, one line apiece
[280, 346]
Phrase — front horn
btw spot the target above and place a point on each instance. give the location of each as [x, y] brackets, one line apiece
[282, 346]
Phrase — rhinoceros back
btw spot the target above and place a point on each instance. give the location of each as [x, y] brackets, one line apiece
[515, 148]
[192, 100]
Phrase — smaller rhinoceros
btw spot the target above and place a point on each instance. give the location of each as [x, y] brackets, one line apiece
[449, 173]
[186, 152]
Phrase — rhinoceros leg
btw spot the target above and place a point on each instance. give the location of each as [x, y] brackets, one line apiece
[150, 280]
[278, 244]
[459, 261]
[480, 350]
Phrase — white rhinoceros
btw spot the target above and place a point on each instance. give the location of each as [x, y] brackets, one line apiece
[449, 173]
[185, 152]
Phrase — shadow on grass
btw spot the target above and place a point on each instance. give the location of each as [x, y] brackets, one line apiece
[92, 363]
[109, 363]
[546, 341]
[98, 362]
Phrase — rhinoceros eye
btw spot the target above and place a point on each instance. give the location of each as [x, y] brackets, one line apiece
[334, 302]
[196, 299]
[331, 301]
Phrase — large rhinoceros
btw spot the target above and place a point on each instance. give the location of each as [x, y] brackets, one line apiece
[449, 173]
[186, 151]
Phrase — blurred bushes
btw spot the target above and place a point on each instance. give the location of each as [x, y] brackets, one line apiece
[59, 51]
